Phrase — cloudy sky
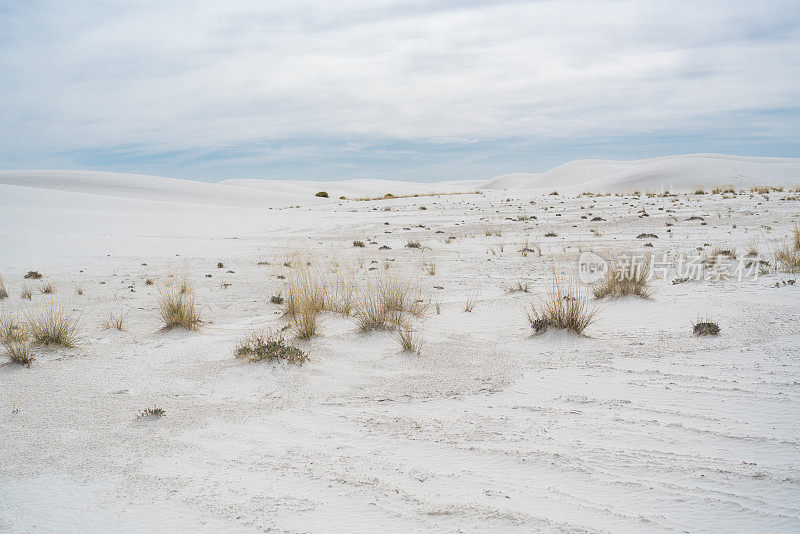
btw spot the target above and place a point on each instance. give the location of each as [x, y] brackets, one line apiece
[417, 90]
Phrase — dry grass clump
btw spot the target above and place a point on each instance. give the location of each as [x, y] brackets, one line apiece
[48, 288]
[566, 307]
[269, 346]
[53, 326]
[722, 189]
[529, 247]
[178, 308]
[15, 341]
[26, 292]
[626, 275]
[340, 294]
[787, 255]
[760, 189]
[304, 289]
[408, 339]
[3, 292]
[114, 321]
[470, 303]
[383, 301]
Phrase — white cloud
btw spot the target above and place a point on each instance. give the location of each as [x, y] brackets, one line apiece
[182, 75]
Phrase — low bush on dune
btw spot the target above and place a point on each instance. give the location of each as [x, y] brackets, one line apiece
[705, 328]
[53, 325]
[565, 307]
[321, 194]
[269, 346]
[626, 275]
[178, 309]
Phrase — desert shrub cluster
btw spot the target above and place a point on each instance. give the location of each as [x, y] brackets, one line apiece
[269, 346]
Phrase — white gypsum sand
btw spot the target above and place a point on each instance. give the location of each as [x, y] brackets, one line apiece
[639, 424]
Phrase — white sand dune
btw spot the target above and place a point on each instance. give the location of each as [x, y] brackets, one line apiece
[675, 173]
[640, 426]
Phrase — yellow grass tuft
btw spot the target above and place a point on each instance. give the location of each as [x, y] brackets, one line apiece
[565, 307]
[408, 339]
[626, 275]
[383, 301]
[178, 308]
[14, 339]
[53, 325]
[787, 255]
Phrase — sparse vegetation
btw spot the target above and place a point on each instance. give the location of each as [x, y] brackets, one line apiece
[276, 299]
[321, 194]
[14, 339]
[269, 346]
[383, 301]
[408, 339]
[114, 321]
[705, 328]
[3, 292]
[470, 303]
[153, 412]
[47, 288]
[305, 299]
[53, 325]
[787, 255]
[414, 244]
[626, 275]
[566, 307]
[26, 292]
[178, 308]
[359, 244]
[32, 275]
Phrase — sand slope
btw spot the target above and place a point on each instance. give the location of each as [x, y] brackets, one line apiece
[676, 173]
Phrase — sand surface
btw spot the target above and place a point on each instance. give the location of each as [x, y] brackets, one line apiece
[638, 426]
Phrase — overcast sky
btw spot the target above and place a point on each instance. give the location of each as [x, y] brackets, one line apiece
[419, 90]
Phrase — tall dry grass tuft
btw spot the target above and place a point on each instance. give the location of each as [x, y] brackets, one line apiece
[305, 299]
[340, 294]
[53, 325]
[178, 308]
[14, 339]
[3, 292]
[626, 275]
[408, 338]
[787, 255]
[565, 307]
[383, 301]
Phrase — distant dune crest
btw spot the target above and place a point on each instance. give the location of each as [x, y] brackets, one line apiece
[674, 173]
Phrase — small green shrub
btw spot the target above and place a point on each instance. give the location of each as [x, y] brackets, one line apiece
[269, 346]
